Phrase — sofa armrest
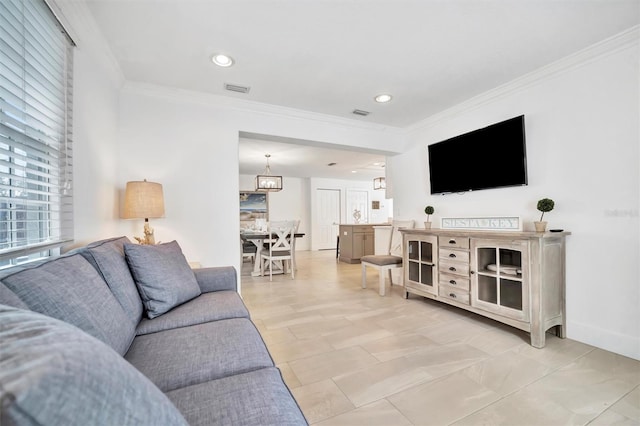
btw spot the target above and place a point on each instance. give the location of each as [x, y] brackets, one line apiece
[217, 278]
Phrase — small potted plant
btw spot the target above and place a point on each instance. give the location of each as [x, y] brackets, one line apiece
[544, 205]
[429, 211]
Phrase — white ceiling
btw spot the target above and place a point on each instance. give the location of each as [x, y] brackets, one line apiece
[334, 56]
[297, 158]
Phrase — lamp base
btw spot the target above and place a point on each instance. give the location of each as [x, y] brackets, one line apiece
[148, 238]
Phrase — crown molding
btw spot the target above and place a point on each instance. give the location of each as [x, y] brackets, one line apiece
[247, 106]
[621, 41]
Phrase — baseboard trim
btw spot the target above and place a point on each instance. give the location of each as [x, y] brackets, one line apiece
[622, 344]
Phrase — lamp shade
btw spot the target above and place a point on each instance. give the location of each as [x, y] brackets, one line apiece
[143, 200]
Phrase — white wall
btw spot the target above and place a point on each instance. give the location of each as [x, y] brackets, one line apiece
[582, 130]
[189, 143]
[97, 81]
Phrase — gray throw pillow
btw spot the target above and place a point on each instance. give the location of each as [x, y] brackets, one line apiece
[70, 289]
[9, 298]
[51, 373]
[162, 275]
[107, 256]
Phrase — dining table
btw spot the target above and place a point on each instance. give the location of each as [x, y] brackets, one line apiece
[257, 238]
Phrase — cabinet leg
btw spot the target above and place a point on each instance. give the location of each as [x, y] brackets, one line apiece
[561, 331]
[406, 295]
[537, 339]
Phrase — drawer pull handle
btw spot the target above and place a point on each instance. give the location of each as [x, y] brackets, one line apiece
[452, 295]
[451, 268]
[452, 241]
[452, 255]
[453, 282]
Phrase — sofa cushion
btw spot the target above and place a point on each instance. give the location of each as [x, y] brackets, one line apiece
[187, 356]
[69, 288]
[107, 256]
[9, 298]
[162, 275]
[52, 373]
[256, 398]
[204, 308]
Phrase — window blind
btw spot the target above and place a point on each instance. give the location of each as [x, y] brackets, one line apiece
[36, 168]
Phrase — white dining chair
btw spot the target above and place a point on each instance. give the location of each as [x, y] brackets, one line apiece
[386, 263]
[280, 249]
[295, 223]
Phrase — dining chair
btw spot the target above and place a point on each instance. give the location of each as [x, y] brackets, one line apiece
[280, 249]
[249, 250]
[295, 223]
[385, 263]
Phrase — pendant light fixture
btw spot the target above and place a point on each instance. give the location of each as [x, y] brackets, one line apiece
[267, 182]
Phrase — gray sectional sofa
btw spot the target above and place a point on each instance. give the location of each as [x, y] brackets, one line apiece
[116, 333]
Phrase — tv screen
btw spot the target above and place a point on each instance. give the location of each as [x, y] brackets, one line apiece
[491, 157]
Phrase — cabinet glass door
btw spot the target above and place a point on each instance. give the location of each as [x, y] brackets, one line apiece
[420, 266]
[499, 285]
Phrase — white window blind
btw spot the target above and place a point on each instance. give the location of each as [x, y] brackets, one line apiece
[36, 197]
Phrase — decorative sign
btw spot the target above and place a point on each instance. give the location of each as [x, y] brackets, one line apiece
[509, 223]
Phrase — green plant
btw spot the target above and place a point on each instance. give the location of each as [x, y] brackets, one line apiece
[429, 211]
[545, 205]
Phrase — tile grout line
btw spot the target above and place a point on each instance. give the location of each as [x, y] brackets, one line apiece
[614, 403]
[553, 370]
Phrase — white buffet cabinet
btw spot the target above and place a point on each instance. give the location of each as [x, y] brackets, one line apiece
[517, 278]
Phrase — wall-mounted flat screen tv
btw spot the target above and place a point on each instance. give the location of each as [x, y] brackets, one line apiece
[492, 157]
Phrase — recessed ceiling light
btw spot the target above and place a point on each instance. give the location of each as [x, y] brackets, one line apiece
[354, 171]
[222, 60]
[381, 99]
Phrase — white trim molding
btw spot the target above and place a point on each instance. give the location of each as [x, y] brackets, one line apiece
[623, 40]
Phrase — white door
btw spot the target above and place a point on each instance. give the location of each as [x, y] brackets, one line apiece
[357, 200]
[327, 216]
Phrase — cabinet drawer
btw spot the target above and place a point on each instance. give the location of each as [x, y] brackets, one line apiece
[454, 294]
[454, 281]
[363, 229]
[456, 255]
[457, 242]
[452, 267]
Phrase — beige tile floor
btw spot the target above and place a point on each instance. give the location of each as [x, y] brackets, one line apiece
[351, 357]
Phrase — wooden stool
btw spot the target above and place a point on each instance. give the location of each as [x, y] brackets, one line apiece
[383, 263]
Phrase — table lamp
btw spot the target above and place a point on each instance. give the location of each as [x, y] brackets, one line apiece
[144, 200]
